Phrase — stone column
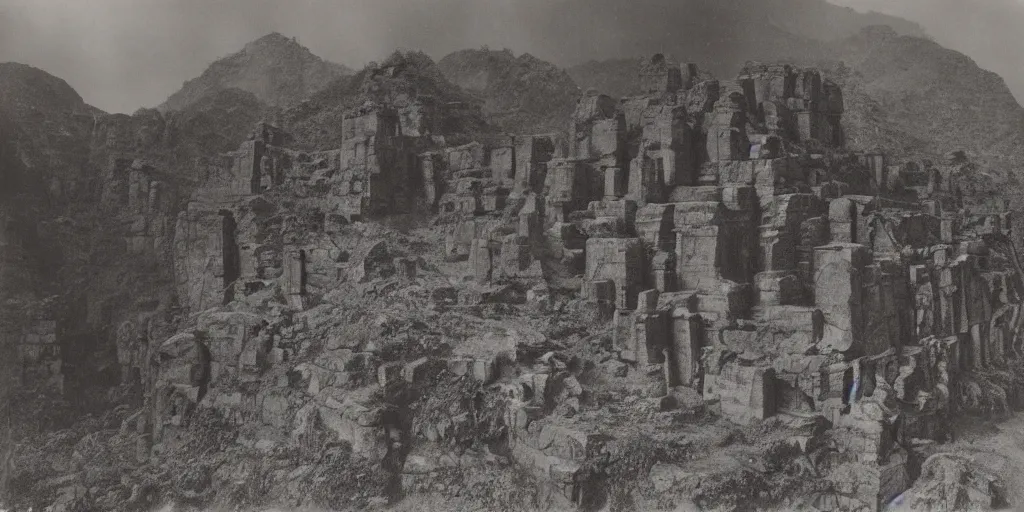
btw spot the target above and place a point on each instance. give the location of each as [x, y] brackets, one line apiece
[686, 346]
[837, 293]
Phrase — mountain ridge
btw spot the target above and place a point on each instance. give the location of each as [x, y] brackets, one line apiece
[276, 69]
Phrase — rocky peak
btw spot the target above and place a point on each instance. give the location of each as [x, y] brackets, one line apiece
[276, 69]
[520, 94]
[411, 81]
[275, 41]
[25, 87]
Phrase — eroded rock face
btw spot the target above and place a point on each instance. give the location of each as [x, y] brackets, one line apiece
[776, 284]
[693, 252]
[951, 482]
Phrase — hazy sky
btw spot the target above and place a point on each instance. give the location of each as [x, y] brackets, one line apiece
[124, 54]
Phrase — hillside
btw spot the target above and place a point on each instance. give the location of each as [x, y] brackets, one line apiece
[932, 93]
[404, 80]
[986, 31]
[720, 36]
[817, 19]
[277, 70]
[520, 94]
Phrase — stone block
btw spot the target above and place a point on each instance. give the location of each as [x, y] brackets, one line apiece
[599, 291]
[736, 172]
[418, 371]
[649, 337]
[461, 366]
[620, 260]
[622, 333]
[745, 393]
[838, 288]
[481, 259]
[655, 223]
[727, 135]
[647, 301]
[731, 300]
[778, 288]
[605, 227]
[645, 185]
[614, 183]
[484, 370]
[663, 271]
[696, 194]
[946, 233]
[841, 210]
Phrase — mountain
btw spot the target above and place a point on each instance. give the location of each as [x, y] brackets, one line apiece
[986, 31]
[718, 35]
[340, 347]
[932, 93]
[277, 70]
[45, 128]
[406, 80]
[520, 94]
[46, 125]
[817, 19]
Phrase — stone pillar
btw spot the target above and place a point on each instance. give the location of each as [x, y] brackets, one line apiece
[837, 293]
[687, 341]
[841, 218]
[155, 190]
[654, 223]
[645, 185]
[614, 183]
[727, 136]
[663, 271]
[480, 257]
[813, 233]
[295, 277]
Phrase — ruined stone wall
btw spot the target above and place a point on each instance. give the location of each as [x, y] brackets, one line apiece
[734, 260]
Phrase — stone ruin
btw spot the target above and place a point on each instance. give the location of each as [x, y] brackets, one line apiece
[736, 248]
[829, 283]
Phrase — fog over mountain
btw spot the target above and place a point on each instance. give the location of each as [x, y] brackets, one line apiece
[125, 54]
[988, 31]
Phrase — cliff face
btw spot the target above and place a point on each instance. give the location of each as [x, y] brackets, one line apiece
[412, 82]
[905, 94]
[520, 94]
[87, 206]
[275, 69]
[692, 280]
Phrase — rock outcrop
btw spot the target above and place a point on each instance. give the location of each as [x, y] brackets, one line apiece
[695, 295]
[521, 94]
